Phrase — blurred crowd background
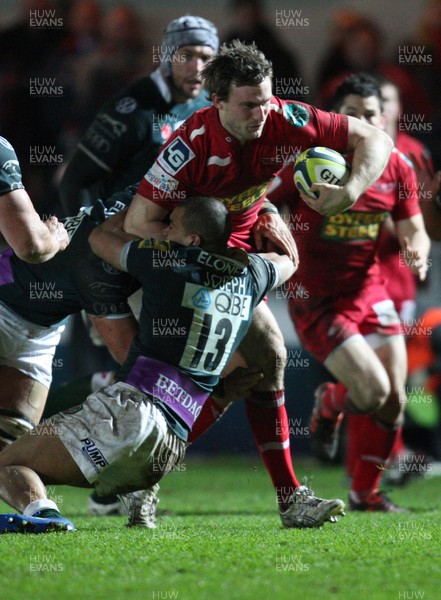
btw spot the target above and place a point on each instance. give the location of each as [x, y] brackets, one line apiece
[60, 60]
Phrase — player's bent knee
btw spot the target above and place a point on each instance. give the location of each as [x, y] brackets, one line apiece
[12, 426]
[370, 398]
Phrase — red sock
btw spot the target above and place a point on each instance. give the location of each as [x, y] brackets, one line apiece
[270, 427]
[399, 447]
[208, 416]
[354, 428]
[335, 399]
[375, 443]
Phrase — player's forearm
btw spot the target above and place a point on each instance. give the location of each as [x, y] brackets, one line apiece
[145, 219]
[36, 241]
[285, 265]
[372, 151]
[108, 244]
[419, 241]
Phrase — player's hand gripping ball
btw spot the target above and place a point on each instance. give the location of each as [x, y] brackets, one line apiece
[320, 165]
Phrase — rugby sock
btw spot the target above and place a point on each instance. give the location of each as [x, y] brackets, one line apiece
[374, 445]
[270, 427]
[43, 508]
[208, 416]
[399, 446]
[103, 499]
[334, 400]
[354, 428]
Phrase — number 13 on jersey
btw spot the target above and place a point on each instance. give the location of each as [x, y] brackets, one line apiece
[217, 318]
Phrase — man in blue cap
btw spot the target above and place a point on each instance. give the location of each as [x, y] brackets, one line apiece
[126, 134]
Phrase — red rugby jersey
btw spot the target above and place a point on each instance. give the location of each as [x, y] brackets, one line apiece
[201, 158]
[401, 282]
[338, 253]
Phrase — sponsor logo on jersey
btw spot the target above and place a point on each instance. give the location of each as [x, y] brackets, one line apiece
[175, 156]
[94, 455]
[162, 245]
[296, 115]
[118, 128]
[160, 179]
[201, 299]
[12, 169]
[126, 105]
[97, 141]
[71, 224]
[352, 226]
[245, 199]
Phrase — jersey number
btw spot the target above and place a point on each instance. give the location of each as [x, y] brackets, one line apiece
[211, 361]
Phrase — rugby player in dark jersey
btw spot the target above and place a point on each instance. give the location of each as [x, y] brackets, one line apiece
[35, 299]
[126, 134]
[31, 238]
[118, 437]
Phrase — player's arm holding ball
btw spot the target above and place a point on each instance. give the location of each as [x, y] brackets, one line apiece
[271, 233]
[371, 148]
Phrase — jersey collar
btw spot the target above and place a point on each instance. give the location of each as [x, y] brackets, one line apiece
[158, 78]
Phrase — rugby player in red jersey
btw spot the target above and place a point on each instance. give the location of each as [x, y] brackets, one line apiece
[349, 322]
[232, 151]
[399, 280]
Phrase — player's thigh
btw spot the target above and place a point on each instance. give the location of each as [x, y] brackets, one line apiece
[264, 347]
[263, 337]
[356, 364]
[21, 394]
[42, 451]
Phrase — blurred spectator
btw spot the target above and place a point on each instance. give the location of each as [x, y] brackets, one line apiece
[83, 36]
[120, 57]
[334, 61]
[424, 384]
[26, 48]
[250, 27]
[361, 48]
[422, 55]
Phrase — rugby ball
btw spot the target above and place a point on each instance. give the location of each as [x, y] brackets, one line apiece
[320, 165]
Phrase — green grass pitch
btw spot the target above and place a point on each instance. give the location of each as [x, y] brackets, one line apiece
[220, 537]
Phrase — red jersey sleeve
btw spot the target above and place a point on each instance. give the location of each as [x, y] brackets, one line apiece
[407, 204]
[314, 127]
[168, 180]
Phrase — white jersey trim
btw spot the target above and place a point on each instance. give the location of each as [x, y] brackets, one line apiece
[95, 159]
[217, 160]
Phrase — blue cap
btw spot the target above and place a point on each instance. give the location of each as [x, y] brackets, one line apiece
[187, 31]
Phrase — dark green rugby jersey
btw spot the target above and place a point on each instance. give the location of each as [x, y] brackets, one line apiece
[73, 280]
[10, 173]
[196, 306]
[126, 134]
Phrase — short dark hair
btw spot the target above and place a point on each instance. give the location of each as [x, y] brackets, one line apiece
[209, 219]
[237, 63]
[359, 84]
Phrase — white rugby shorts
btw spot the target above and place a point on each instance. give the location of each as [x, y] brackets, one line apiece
[119, 439]
[28, 347]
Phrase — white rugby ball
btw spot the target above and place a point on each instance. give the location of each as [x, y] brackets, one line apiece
[320, 165]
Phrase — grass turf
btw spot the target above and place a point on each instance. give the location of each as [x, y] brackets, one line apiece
[224, 540]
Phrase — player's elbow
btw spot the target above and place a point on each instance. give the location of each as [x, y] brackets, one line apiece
[34, 250]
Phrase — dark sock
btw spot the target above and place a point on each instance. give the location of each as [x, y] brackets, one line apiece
[48, 513]
[103, 499]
